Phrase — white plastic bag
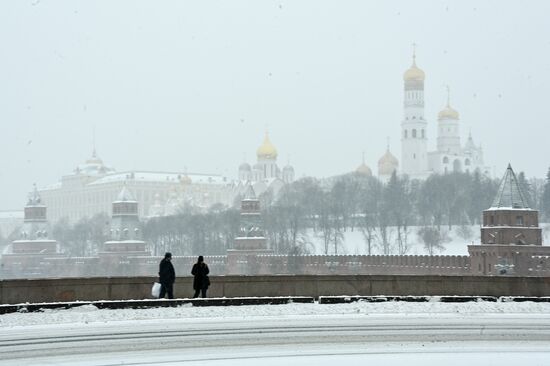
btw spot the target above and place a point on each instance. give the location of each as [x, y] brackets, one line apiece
[155, 291]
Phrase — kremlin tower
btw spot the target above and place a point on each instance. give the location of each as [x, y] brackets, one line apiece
[250, 241]
[126, 236]
[35, 234]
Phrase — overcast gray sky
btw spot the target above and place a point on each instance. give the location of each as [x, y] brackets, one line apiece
[175, 84]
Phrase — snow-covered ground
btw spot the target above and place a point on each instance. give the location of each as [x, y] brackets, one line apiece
[393, 333]
[354, 241]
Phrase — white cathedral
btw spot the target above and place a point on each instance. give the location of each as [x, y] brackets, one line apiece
[265, 174]
[450, 155]
[416, 161]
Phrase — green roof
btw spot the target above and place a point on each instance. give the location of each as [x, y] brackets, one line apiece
[509, 194]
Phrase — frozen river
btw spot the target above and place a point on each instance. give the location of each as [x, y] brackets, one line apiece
[295, 334]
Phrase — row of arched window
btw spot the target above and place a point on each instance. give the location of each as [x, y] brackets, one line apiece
[415, 95]
[414, 133]
[446, 170]
[467, 162]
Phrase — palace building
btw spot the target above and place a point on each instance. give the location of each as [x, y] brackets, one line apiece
[93, 186]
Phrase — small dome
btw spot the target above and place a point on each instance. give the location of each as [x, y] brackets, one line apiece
[267, 150]
[186, 179]
[245, 167]
[94, 159]
[288, 168]
[470, 145]
[93, 166]
[363, 169]
[387, 164]
[448, 113]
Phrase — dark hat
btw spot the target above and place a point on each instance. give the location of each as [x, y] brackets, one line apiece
[168, 255]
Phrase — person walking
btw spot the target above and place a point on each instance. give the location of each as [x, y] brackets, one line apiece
[167, 276]
[201, 281]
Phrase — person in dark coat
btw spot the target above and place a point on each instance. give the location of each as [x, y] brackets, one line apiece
[167, 276]
[201, 281]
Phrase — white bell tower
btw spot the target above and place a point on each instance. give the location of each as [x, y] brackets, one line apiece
[414, 136]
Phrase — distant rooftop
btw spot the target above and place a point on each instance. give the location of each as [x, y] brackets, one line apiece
[509, 194]
[160, 177]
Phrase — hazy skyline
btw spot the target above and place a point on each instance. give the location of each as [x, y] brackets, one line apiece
[175, 85]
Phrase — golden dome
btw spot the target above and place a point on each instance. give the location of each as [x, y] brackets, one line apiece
[448, 113]
[363, 169]
[414, 73]
[267, 150]
[387, 164]
[94, 159]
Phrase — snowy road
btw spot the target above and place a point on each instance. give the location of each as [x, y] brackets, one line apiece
[282, 334]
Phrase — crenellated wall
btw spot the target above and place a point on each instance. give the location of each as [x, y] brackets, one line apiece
[355, 264]
[38, 266]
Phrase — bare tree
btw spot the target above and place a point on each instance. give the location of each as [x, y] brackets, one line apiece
[369, 203]
[433, 239]
[397, 197]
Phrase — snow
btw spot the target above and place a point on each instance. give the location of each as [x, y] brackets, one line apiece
[508, 208]
[53, 186]
[160, 177]
[392, 333]
[89, 313]
[359, 333]
[354, 242]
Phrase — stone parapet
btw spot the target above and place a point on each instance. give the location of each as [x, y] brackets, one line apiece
[135, 288]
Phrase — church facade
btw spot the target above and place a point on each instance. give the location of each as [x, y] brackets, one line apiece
[450, 154]
[265, 175]
[417, 160]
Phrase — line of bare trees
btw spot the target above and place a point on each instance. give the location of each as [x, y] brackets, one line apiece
[382, 212]
[188, 233]
[310, 210]
[193, 233]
